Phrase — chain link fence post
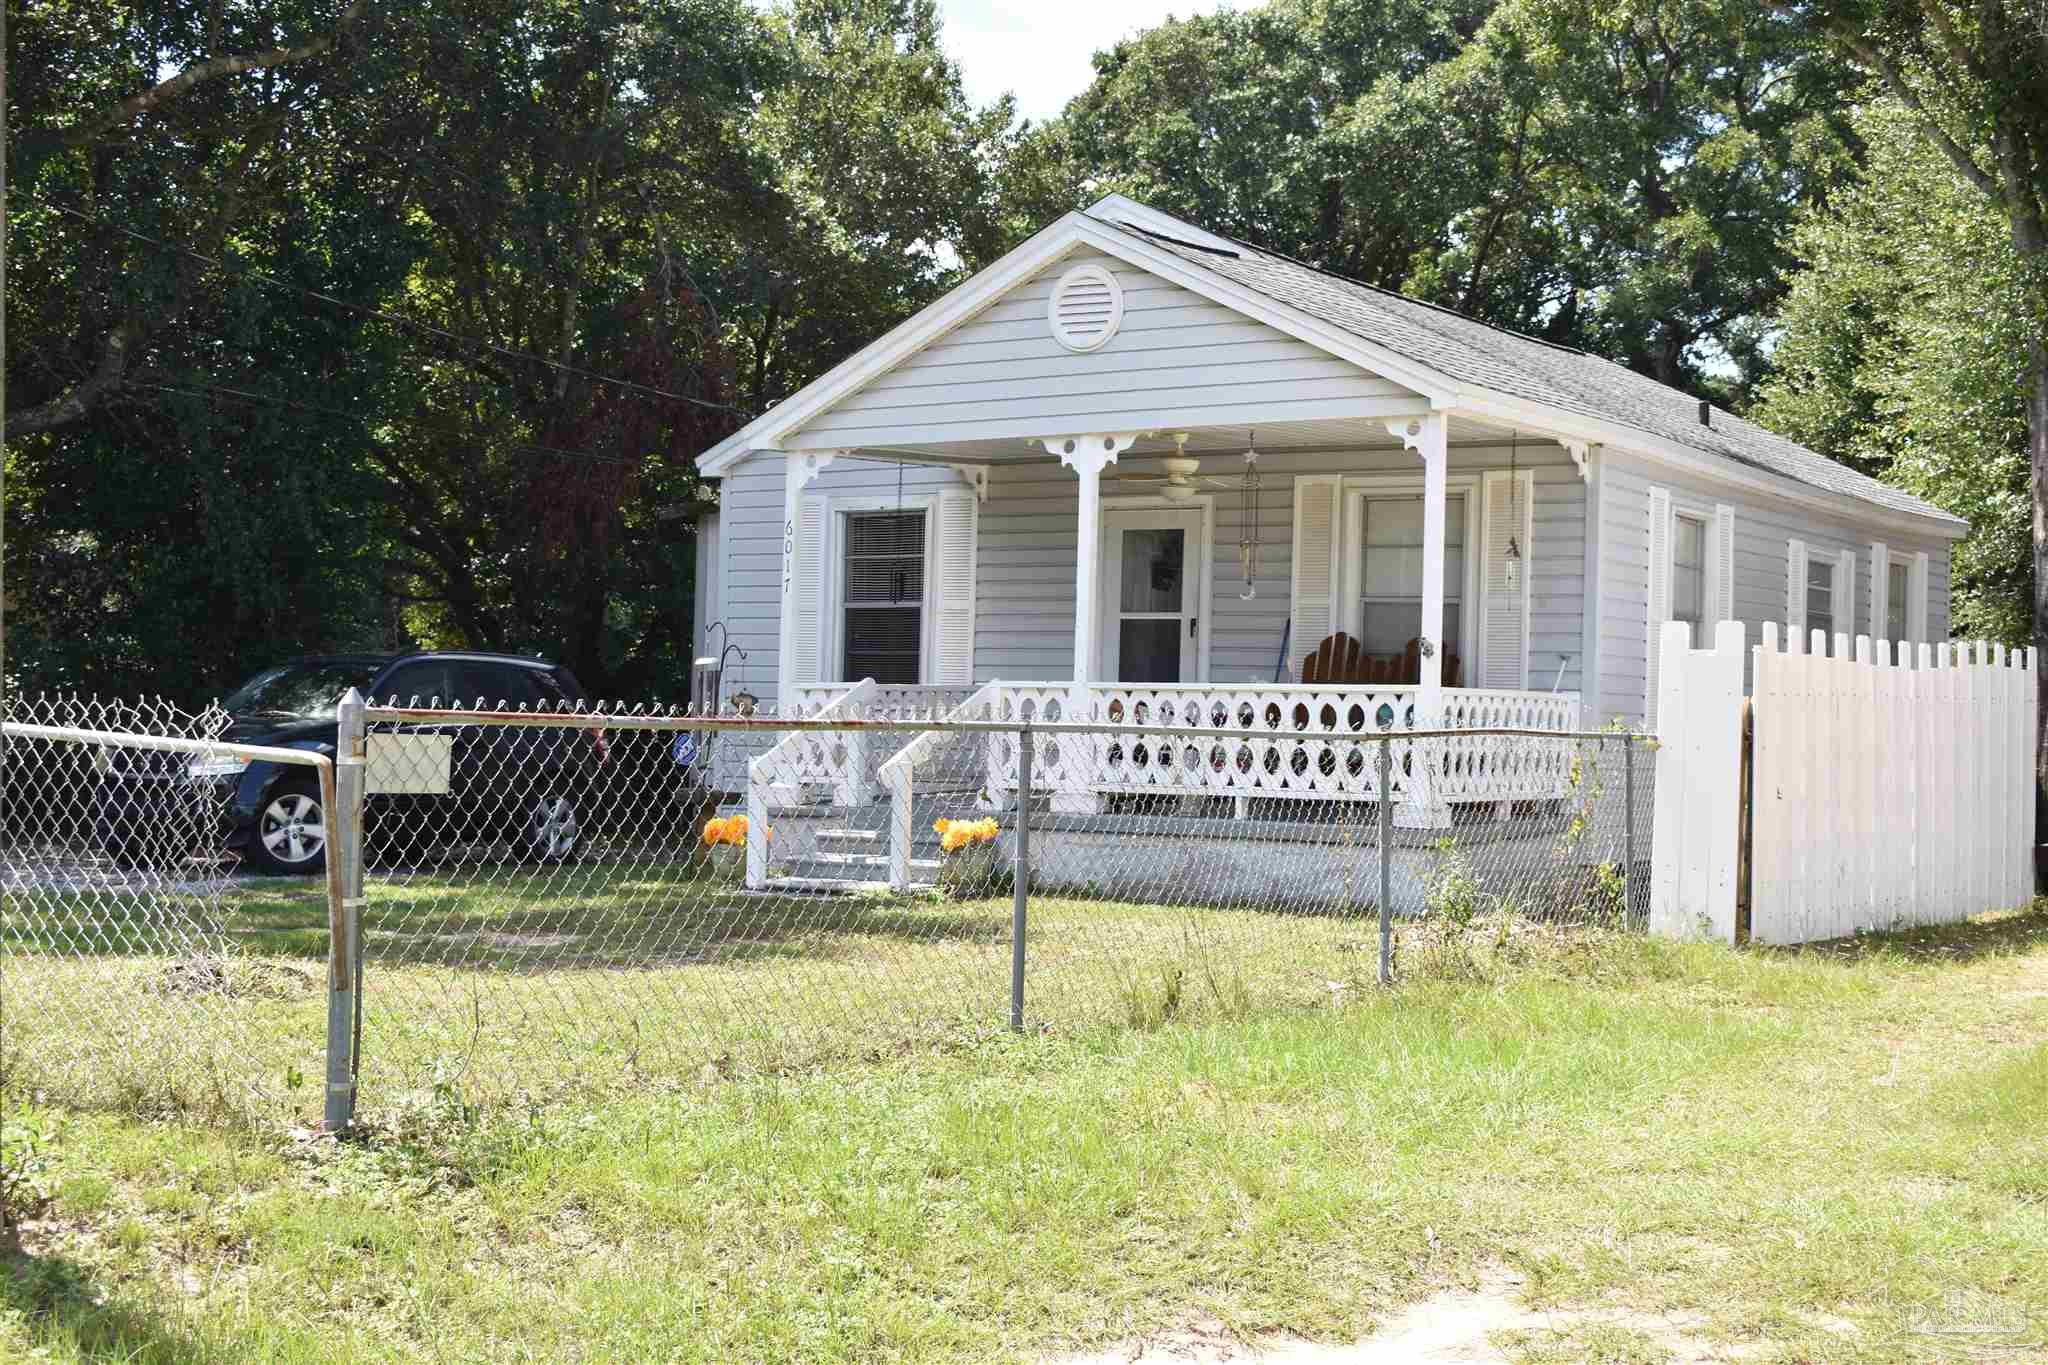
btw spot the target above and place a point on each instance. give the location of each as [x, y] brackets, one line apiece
[1386, 861]
[345, 893]
[1020, 890]
[1628, 827]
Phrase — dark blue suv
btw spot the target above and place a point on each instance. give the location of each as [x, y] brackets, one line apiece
[525, 786]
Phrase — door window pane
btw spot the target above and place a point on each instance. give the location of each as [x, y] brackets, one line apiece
[884, 597]
[1820, 597]
[1152, 568]
[1148, 651]
[1689, 574]
[1895, 602]
[1391, 609]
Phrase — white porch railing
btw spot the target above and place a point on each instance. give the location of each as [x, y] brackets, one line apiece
[1306, 754]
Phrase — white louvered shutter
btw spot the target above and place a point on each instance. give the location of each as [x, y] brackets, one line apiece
[1916, 598]
[952, 563]
[1845, 593]
[1660, 595]
[1504, 611]
[1723, 604]
[807, 589]
[1313, 593]
[1795, 594]
[1880, 586]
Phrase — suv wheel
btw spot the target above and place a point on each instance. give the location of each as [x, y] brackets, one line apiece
[552, 831]
[290, 838]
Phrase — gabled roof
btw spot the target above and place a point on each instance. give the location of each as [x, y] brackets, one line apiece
[1434, 349]
[1477, 353]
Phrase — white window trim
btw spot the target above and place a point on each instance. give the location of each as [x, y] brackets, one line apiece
[1356, 488]
[1205, 580]
[1707, 514]
[832, 582]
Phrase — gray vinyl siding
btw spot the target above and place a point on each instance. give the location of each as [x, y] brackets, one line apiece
[1177, 360]
[1024, 615]
[1764, 530]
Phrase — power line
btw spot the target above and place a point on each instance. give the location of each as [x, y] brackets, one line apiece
[397, 319]
[196, 390]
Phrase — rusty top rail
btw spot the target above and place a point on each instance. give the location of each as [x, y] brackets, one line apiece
[597, 720]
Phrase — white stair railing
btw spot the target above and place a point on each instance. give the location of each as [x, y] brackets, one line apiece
[899, 777]
[838, 757]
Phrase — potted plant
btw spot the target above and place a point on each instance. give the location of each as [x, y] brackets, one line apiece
[725, 837]
[973, 863]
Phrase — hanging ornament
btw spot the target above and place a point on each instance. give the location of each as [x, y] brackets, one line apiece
[1514, 556]
[1248, 539]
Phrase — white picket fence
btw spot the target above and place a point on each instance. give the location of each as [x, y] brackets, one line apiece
[1890, 787]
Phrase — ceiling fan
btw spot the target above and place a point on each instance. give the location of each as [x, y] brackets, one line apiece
[1183, 478]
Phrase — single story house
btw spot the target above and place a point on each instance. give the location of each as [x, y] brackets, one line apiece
[1138, 471]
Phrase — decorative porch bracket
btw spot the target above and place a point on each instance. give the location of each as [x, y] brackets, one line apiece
[1087, 455]
[1581, 453]
[975, 476]
[1428, 437]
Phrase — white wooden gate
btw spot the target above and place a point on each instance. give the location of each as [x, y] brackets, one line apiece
[1893, 787]
[1695, 835]
[1887, 788]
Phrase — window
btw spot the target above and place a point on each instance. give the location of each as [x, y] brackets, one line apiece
[1895, 593]
[1820, 596]
[883, 597]
[1391, 608]
[1689, 574]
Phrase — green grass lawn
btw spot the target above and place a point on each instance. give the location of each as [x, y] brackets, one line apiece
[1815, 1154]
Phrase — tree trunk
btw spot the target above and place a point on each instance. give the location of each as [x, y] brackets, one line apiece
[2037, 450]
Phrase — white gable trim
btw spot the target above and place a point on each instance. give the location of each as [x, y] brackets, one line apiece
[987, 287]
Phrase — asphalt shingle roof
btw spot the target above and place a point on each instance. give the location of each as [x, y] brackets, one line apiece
[1474, 352]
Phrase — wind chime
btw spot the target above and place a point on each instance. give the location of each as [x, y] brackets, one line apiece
[1514, 555]
[1248, 539]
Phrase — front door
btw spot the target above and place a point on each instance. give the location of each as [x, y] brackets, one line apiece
[1151, 595]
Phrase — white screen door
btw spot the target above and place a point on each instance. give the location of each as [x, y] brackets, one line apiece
[1151, 612]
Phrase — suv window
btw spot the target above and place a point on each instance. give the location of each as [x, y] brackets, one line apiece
[494, 683]
[558, 689]
[425, 679]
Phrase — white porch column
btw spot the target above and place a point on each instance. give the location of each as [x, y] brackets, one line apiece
[1426, 436]
[1087, 455]
[798, 471]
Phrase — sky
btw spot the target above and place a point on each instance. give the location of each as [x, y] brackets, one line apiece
[1039, 49]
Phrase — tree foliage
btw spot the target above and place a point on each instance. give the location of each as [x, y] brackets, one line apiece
[1904, 354]
[1616, 177]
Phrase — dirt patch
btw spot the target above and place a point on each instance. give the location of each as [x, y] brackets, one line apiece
[233, 977]
[1482, 1324]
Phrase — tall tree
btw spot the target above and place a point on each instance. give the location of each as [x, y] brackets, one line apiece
[1974, 80]
[1902, 352]
[1614, 176]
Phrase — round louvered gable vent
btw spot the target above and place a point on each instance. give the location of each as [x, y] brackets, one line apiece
[1086, 306]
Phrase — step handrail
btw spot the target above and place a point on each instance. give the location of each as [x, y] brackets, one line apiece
[785, 760]
[899, 778]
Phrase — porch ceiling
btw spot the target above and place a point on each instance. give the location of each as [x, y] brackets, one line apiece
[1332, 434]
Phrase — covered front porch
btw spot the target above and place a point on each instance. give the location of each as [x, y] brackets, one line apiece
[1327, 588]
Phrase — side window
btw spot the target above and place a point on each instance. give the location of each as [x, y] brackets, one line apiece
[1689, 574]
[488, 685]
[1820, 595]
[425, 679]
[1897, 589]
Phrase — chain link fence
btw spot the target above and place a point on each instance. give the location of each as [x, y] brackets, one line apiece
[135, 974]
[534, 907]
